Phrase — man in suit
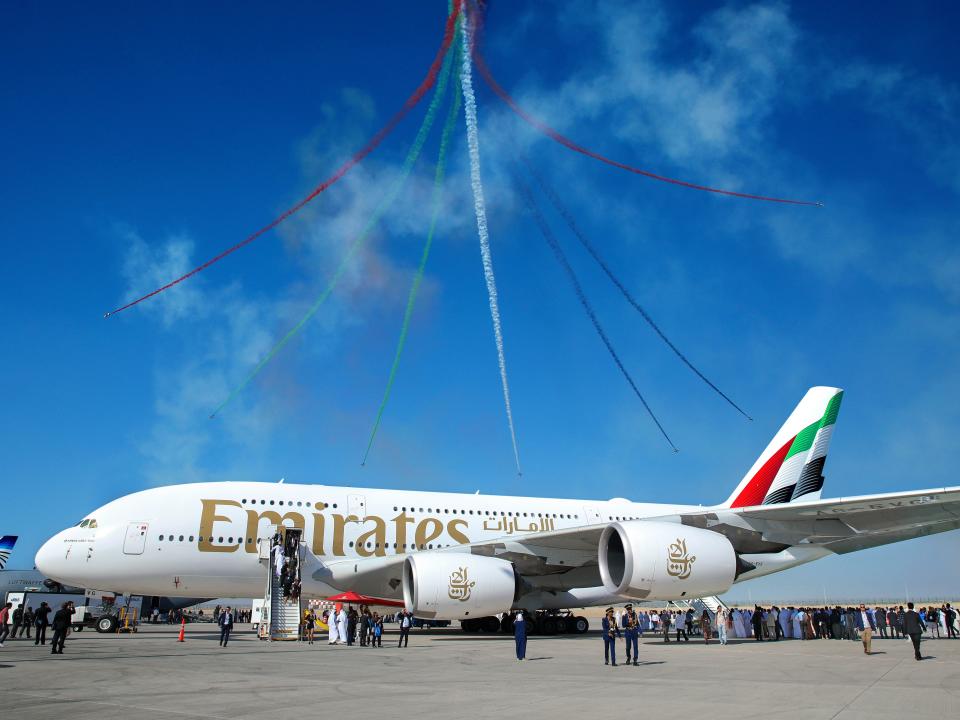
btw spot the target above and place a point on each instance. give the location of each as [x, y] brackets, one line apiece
[866, 626]
[893, 620]
[41, 623]
[950, 616]
[61, 623]
[226, 625]
[405, 621]
[757, 621]
[880, 616]
[913, 627]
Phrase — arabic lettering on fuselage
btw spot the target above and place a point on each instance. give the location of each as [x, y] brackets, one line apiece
[510, 525]
[326, 530]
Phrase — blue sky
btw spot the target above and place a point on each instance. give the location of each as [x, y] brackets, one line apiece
[139, 141]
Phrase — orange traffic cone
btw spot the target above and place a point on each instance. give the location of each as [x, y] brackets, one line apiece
[183, 626]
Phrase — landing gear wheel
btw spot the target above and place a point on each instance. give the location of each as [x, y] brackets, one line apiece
[77, 628]
[549, 626]
[470, 626]
[562, 626]
[506, 623]
[580, 625]
[490, 624]
[107, 624]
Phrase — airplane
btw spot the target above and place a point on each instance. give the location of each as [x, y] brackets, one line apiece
[20, 581]
[456, 556]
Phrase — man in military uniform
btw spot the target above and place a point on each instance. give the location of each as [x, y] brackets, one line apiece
[610, 634]
[631, 628]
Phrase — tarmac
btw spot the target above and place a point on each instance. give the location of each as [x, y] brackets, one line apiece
[446, 674]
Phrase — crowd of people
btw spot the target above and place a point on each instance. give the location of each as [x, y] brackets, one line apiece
[363, 627]
[286, 561]
[17, 621]
[775, 623]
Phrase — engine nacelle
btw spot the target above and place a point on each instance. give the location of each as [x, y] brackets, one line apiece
[456, 586]
[649, 560]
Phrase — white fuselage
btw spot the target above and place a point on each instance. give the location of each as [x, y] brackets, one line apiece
[201, 539]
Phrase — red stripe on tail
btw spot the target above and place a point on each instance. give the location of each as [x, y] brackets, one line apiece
[756, 489]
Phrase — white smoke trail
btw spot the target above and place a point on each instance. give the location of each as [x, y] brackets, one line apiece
[479, 207]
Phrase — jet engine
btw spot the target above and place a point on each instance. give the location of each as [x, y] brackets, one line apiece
[456, 586]
[649, 560]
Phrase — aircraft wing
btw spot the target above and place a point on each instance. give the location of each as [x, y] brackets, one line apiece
[567, 559]
[841, 525]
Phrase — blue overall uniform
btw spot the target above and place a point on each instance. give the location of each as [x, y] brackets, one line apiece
[520, 636]
[631, 635]
[610, 634]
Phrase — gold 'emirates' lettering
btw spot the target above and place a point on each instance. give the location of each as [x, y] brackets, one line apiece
[208, 516]
[319, 525]
[425, 536]
[400, 526]
[274, 518]
[455, 535]
[339, 523]
[374, 530]
[378, 535]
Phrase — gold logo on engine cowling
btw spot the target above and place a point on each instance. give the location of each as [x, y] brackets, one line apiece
[460, 585]
[679, 561]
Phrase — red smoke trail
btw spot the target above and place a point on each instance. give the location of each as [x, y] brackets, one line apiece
[428, 82]
[477, 20]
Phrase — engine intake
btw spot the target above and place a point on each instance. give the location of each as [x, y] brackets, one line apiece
[456, 586]
[652, 560]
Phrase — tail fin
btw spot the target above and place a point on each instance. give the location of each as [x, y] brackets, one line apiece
[792, 465]
[6, 547]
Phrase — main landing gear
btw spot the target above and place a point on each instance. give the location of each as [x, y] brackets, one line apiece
[542, 622]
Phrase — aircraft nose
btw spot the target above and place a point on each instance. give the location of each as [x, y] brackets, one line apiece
[51, 558]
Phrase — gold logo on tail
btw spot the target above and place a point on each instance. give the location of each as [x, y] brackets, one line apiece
[679, 562]
[460, 585]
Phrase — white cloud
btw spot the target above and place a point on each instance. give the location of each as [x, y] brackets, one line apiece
[696, 110]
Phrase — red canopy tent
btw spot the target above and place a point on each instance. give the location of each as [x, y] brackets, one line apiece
[352, 597]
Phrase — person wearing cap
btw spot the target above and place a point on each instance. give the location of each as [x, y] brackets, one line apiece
[630, 629]
[610, 634]
[520, 634]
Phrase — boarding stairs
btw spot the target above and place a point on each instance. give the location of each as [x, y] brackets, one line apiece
[281, 614]
[710, 603]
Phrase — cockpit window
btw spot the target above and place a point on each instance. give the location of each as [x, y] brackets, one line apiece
[93, 524]
[84, 523]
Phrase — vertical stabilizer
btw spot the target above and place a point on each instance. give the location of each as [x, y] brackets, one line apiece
[791, 467]
[6, 547]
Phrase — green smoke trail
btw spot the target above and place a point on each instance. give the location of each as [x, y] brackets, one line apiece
[418, 277]
[388, 199]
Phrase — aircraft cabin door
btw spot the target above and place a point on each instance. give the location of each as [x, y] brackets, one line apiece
[357, 505]
[592, 515]
[136, 539]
